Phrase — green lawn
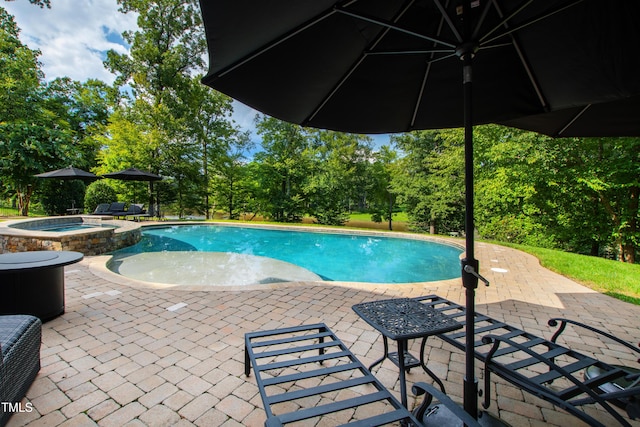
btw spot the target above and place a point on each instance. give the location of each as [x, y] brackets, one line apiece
[617, 279]
[400, 217]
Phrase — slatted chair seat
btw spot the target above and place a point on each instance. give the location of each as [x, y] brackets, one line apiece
[543, 367]
[306, 372]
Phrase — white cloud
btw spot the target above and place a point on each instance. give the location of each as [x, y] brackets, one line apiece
[73, 36]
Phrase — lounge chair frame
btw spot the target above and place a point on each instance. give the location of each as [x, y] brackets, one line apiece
[286, 361]
[543, 367]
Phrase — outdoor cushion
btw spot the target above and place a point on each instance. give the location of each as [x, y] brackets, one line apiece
[135, 208]
[116, 207]
[20, 337]
[102, 208]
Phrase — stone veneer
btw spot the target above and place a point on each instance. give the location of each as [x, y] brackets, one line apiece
[25, 235]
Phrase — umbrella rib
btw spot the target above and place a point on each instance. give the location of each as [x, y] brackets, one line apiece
[523, 59]
[355, 66]
[576, 117]
[276, 42]
[505, 20]
[444, 17]
[483, 16]
[392, 26]
[485, 39]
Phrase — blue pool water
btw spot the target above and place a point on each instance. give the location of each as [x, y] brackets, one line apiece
[341, 257]
[72, 227]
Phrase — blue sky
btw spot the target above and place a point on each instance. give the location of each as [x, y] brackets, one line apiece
[74, 36]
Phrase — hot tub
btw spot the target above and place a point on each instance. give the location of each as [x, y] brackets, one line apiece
[90, 235]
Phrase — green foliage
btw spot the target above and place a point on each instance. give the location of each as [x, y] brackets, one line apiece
[57, 196]
[98, 192]
[41, 3]
[20, 72]
[430, 182]
[42, 126]
[517, 229]
[156, 129]
[337, 175]
[381, 199]
[283, 167]
[578, 194]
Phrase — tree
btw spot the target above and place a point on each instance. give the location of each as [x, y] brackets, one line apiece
[32, 138]
[231, 188]
[283, 167]
[431, 184]
[20, 73]
[207, 118]
[166, 50]
[85, 109]
[515, 186]
[381, 197]
[335, 179]
[575, 194]
[604, 174]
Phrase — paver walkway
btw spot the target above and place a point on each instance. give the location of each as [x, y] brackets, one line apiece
[129, 355]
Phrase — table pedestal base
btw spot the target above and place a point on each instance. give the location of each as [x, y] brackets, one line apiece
[440, 416]
[37, 292]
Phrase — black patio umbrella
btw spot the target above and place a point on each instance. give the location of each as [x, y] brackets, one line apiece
[610, 119]
[134, 174]
[69, 173]
[381, 66]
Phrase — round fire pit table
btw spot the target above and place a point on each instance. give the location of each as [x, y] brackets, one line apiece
[33, 282]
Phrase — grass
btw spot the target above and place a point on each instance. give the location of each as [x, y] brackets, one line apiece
[398, 216]
[617, 279]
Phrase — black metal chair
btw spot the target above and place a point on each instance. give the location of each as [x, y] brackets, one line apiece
[545, 368]
[305, 372]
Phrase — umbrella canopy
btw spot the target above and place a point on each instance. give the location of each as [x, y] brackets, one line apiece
[133, 174]
[615, 118]
[380, 66]
[69, 173]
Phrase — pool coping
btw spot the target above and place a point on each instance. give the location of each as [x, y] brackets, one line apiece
[98, 264]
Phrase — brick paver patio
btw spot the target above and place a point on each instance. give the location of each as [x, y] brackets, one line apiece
[130, 355]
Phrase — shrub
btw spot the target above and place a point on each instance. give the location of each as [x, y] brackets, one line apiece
[57, 196]
[518, 230]
[99, 192]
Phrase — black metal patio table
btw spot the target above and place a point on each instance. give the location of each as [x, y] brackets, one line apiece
[402, 319]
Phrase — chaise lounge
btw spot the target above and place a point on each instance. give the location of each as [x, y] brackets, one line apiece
[297, 367]
[112, 209]
[567, 378]
[306, 372]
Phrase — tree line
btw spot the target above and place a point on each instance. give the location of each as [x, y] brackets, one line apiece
[579, 195]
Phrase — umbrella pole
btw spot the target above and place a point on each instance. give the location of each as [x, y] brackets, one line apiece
[469, 263]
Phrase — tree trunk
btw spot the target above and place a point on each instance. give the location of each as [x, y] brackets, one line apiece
[23, 201]
[390, 211]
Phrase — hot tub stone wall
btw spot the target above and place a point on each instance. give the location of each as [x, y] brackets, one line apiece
[87, 242]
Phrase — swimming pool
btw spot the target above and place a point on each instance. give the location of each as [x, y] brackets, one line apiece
[213, 254]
